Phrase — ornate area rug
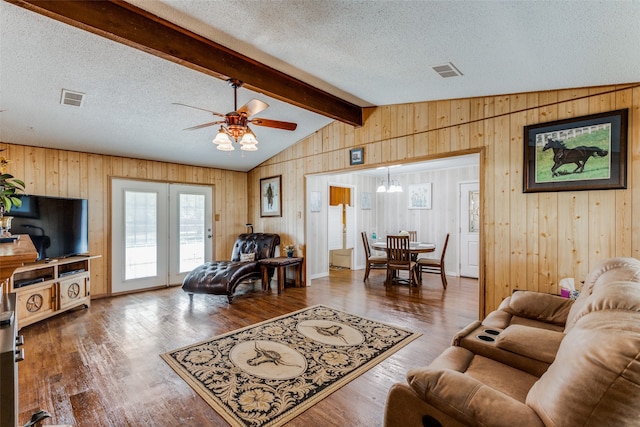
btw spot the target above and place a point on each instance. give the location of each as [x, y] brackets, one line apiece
[268, 373]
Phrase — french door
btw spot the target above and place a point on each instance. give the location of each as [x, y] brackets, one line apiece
[159, 232]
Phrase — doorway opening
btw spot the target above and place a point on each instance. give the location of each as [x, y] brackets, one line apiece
[341, 229]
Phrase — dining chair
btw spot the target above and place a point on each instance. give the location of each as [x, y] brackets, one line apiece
[373, 261]
[413, 235]
[399, 258]
[435, 265]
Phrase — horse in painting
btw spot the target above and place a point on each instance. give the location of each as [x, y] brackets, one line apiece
[563, 155]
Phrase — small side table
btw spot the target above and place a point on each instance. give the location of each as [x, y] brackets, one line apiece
[280, 263]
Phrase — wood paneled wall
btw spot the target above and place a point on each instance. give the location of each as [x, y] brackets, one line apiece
[528, 241]
[72, 174]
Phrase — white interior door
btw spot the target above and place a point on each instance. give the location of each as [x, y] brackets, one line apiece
[469, 229]
[159, 232]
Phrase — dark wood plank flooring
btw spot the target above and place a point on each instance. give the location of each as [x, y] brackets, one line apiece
[101, 366]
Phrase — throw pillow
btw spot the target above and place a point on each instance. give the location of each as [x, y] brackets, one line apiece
[247, 257]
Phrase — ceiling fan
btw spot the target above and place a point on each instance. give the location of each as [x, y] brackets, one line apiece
[235, 125]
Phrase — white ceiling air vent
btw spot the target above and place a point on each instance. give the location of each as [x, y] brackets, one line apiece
[69, 97]
[447, 70]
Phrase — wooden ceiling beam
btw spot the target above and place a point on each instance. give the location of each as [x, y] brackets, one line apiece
[134, 27]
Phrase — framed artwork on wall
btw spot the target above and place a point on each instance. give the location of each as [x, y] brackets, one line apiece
[316, 201]
[271, 196]
[366, 200]
[420, 196]
[581, 153]
[356, 156]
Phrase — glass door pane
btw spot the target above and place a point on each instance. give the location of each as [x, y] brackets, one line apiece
[141, 234]
[192, 231]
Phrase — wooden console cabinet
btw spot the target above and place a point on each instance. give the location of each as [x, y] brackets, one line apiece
[46, 288]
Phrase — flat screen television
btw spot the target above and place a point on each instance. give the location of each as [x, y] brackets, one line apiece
[58, 226]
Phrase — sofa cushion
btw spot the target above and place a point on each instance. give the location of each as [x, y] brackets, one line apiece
[474, 396]
[540, 306]
[510, 381]
[535, 343]
[595, 379]
[607, 271]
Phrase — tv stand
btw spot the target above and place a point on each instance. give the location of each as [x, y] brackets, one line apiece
[49, 287]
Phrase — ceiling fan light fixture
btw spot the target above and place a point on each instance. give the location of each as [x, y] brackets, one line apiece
[249, 147]
[222, 138]
[249, 138]
[225, 147]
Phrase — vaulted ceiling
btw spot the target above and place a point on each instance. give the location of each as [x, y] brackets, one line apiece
[311, 61]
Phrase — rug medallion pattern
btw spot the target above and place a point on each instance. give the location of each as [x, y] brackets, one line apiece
[267, 373]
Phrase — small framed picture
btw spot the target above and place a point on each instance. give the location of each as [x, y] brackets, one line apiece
[366, 200]
[271, 196]
[356, 156]
[420, 196]
[581, 153]
[315, 201]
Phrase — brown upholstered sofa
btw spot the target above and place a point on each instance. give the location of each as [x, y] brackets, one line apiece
[592, 377]
[223, 277]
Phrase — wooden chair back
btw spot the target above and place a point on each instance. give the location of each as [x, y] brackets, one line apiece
[365, 243]
[444, 249]
[398, 254]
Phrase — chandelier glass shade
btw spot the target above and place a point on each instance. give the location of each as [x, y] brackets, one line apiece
[389, 186]
[240, 134]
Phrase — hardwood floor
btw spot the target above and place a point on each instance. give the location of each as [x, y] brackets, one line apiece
[101, 366]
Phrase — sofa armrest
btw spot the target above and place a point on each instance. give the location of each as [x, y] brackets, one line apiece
[457, 338]
[468, 400]
[539, 306]
[535, 343]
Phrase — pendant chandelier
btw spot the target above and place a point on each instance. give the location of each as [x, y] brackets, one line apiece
[389, 186]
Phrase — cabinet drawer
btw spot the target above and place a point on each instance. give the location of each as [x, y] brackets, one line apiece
[36, 303]
[73, 290]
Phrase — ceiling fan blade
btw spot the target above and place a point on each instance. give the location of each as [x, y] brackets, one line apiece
[253, 107]
[274, 124]
[204, 125]
[198, 108]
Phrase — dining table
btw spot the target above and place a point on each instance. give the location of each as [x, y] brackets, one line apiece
[415, 248]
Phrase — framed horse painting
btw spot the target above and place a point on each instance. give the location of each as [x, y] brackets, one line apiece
[271, 196]
[581, 153]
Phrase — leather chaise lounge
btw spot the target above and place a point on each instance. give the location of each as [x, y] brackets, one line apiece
[223, 277]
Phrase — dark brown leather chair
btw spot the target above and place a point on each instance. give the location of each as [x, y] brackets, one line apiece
[223, 277]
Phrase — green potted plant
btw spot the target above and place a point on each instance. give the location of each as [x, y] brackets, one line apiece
[10, 188]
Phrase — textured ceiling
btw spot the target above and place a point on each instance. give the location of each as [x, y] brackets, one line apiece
[371, 52]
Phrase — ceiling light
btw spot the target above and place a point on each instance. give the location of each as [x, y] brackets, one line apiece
[389, 186]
